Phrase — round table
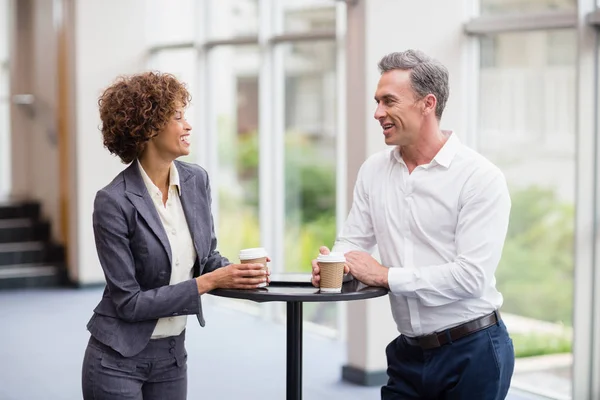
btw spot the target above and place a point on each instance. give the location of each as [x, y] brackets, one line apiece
[295, 289]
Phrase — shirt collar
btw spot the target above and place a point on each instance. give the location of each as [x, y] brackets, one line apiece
[446, 154]
[444, 157]
[173, 178]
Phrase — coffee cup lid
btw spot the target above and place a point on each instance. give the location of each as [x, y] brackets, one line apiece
[249, 254]
[331, 257]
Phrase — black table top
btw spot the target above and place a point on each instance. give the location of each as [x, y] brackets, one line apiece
[297, 287]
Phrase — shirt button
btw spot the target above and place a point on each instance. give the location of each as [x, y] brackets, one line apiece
[174, 232]
[177, 262]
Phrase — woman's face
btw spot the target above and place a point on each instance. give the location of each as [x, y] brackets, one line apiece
[174, 140]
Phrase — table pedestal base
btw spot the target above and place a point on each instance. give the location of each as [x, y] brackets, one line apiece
[294, 350]
[295, 293]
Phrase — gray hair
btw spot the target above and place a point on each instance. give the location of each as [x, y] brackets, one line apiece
[428, 76]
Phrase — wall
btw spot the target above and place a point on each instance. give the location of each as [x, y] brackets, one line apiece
[5, 167]
[98, 60]
[43, 148]
[22, 62]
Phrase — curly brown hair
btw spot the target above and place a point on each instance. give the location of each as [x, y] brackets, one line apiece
[135, 108]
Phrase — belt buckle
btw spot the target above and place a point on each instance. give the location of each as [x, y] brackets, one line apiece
[430, 341]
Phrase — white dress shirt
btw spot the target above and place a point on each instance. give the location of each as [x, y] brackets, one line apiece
[439, 229]
[182, 247]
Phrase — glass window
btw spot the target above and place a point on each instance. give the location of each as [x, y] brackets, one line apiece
[231, 18]
[527, 128]
[306, 72]
[182, 64]
[235, 111]
[302, 16]
[561, 49]
[520, 6]
[310, 159]
[170, 22]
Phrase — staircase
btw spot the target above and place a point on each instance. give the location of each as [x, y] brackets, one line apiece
[28, 257]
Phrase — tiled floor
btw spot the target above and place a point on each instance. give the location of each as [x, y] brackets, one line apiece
[237, 356]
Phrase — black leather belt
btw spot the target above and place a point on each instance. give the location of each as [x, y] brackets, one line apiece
[438, 339]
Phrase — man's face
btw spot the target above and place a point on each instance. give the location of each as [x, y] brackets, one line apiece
[399, 110]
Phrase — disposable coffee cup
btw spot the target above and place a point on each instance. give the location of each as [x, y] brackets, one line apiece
[332, 272]
[257, 255]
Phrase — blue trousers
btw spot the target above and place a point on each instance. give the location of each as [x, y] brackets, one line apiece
[159, 372]
[478, 366]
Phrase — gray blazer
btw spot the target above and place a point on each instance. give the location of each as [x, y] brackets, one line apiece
[135, 255]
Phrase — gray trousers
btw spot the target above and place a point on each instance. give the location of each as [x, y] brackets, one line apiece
[158, 372]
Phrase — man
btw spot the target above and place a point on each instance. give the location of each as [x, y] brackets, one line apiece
[438, 212]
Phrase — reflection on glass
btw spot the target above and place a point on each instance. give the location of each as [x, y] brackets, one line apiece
[310, 159]
[520, 6]
[234, 102]
[300, 16]
[182, 64]
[231, 18]
[170, 21]
[527, 128]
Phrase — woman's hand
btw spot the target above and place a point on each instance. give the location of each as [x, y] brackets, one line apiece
[234, 276]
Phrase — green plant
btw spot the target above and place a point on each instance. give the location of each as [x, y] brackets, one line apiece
[535, 274]
[537, 344]
[302, 242]
[309, 194]
[238, 226]
[309, 175]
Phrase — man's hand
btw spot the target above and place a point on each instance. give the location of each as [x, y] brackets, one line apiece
[366, 269]
[316, 277]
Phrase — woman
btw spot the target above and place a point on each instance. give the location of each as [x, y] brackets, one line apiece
[155, 240]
